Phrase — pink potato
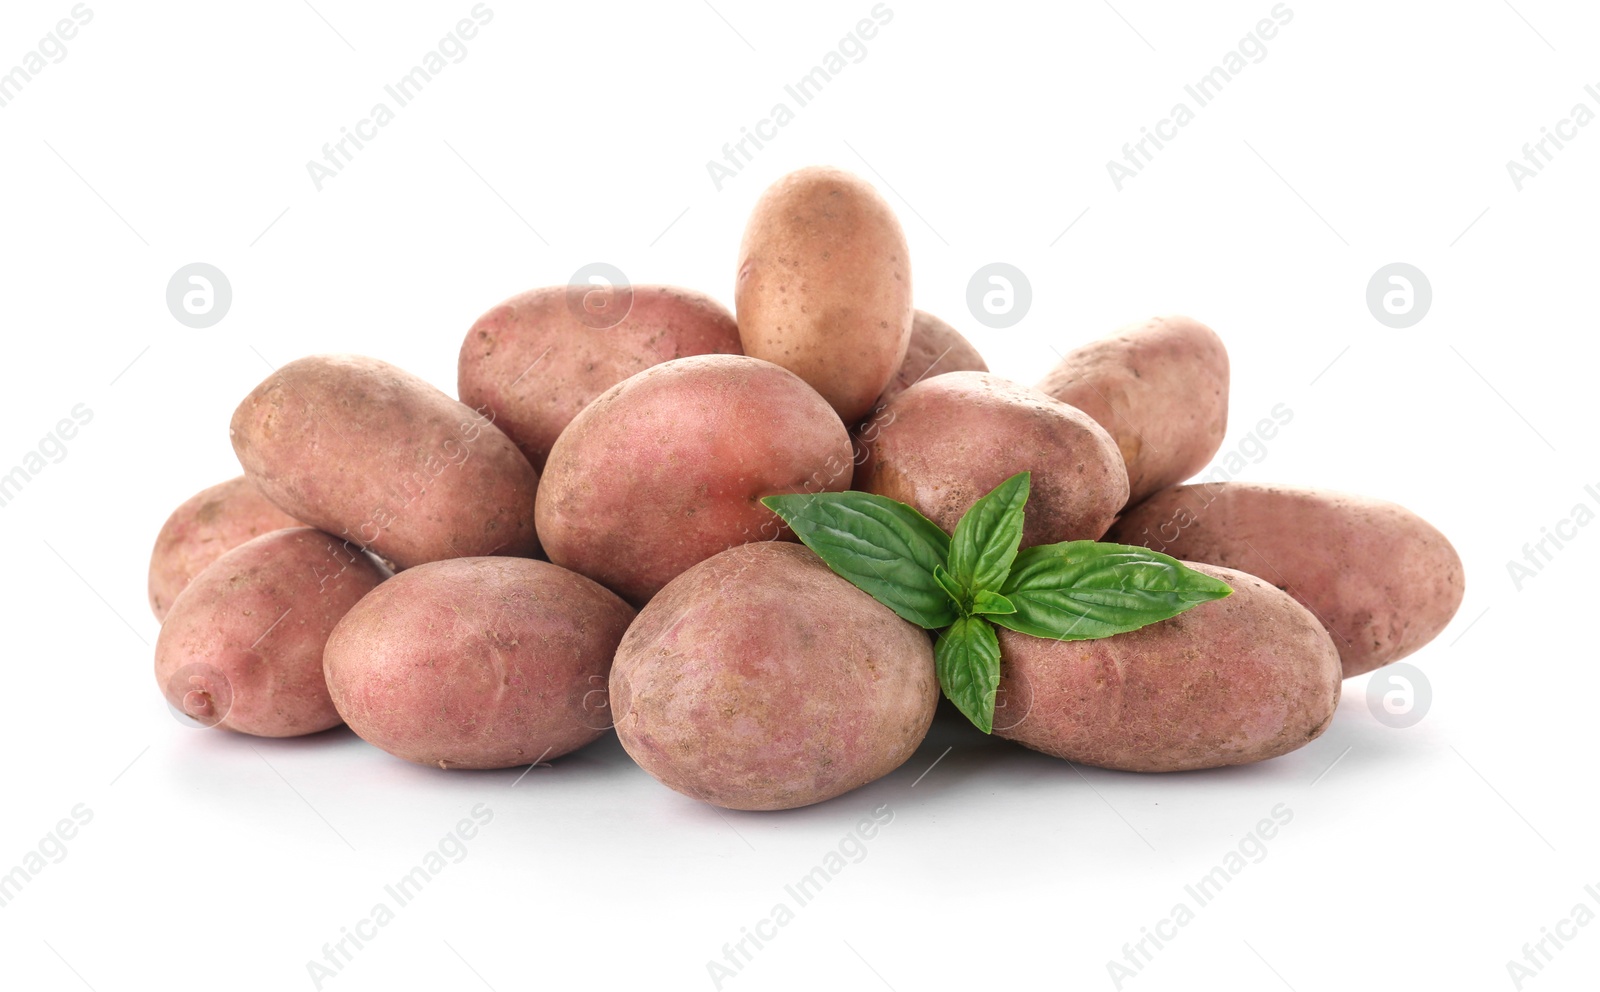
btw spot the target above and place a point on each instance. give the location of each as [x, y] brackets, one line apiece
[538, 358]
[668, 467]
[478, 662]
[241, 647]
[1380, 578]
[1160, 388]
[824, 286]
[1235, 680]
[947, 441]
[205, 526]
[374, 454]
[760, 680]
[935, 348]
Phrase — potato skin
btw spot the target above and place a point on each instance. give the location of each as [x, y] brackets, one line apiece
[477, 662]
[374, 454]
[1380, 578]
[935, 348]
[947, 441]
[1232, 681]
[204, 527]
[533, 364]
[824, 286]
[761, 680]
[241, 647]
[1160, 388]
[667, 468]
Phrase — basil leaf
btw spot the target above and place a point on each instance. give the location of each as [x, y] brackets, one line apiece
[885, 548]
[968, 661]
[991, 603]
[1081, 590]
[986, 538]
[949, 585]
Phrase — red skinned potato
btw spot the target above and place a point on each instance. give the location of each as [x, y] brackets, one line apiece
[241, 647]
[668, 467]
[372, 453]
[537, 359]
[947, 441]
[935, 348]
[1232, 681]
[478, 662]
[1160, 388]
[1380, 578]
[204, 527]
[761, 680]
[824, 286]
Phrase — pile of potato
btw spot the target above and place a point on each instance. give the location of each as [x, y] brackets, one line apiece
[579, 542]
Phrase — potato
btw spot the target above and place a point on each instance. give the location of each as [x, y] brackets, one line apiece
[945, 442]
[1160, 388]
[935, 348]
[241, 647]
[759, 679]
[668, 467]
[533, 361]
[205, 526]
[478, 662]
[1381, 579]
[378, 456]
[824, 286]
[1231, 681]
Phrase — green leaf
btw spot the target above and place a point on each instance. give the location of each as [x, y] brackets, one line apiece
[991, 603]
[968, 661]
[950, 585]
[1081, 590]
[986, 538]
[884, 548]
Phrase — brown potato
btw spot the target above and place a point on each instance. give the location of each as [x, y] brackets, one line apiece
[1380, 578]
[204, 527]
[947, 441]
[372, 453]
[1160, 388]
[935, 348]
[537, 359]
[668, 467]
[241, 647]
[478, 662]
[824, 286]
[759, 679]
[1235, 680]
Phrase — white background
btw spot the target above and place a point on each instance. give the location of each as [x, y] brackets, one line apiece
[1371, 133]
